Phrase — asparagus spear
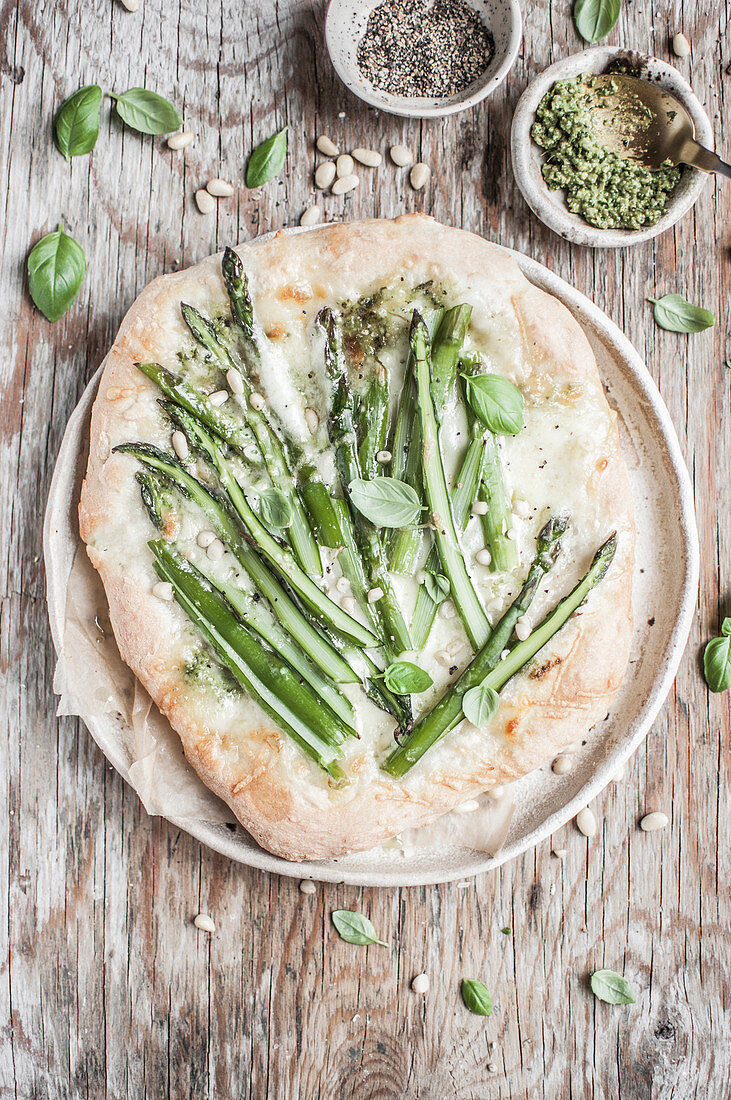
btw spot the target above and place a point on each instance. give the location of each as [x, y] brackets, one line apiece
[343, 438]
[487, 668]
[465, 598]
[242, 309]
[319, 648]
[259, 671]
[447, 345]
[497, 520]
[271, 447]
[463, 494]
[372, 423]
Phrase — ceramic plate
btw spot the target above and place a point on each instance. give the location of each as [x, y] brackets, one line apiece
[665, 586]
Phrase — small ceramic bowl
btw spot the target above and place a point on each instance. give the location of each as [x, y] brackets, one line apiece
[527, 157]
[345, 24]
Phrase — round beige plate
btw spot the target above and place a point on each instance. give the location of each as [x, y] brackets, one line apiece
[665, 586]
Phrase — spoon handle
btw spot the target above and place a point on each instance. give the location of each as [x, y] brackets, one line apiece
[700, 157]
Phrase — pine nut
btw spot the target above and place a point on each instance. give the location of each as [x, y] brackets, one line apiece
[618, 775]
[522, 630]
[235, 381]
[205, 538]
[204, 922]
[220, 189]
[348, 604]
[369, 157]
[163, 590]
[447, 610]
[307, 886]
[418, 175]
[131, 5]
[324, 175]
[311, 216]
[401, 156]
[345, 184]
[327, 147]
[467, 807]
[483, 557]
[562, 765]
[180, 445]
[651, 822]
[344, 165]
[384, 457]
[586, 822]
[511, 534]
[205, 202]
[257, 401]
[181, 140]
[342, 584]
[220, 397]
[215, 550]
[681, 45]
[497, 792]
[312, 420]
[479, 508]
[374, 595]
[560, 853]
[420, 984]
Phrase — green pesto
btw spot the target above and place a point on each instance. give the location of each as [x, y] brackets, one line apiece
[373, 322]
[204, 669]
[603, 188]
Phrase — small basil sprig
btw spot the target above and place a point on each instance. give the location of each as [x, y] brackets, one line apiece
[405, 678]
[594, 19]
[437, 586]
[673, 313]
[611, 987]
[76, 124]
[476, 997]
[274, 508]
[147, 112]
[56, 268]
[480, 704]
[386, 501]
[355, 928]
[717, 660]
[496, 402]
[267, 159]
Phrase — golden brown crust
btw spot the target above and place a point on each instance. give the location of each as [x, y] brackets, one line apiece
[279, 797]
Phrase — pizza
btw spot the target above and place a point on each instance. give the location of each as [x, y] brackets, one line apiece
[358, 503]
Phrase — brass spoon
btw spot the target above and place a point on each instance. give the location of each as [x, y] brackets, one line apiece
[640, 121]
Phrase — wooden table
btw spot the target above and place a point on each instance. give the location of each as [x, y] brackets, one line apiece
[107, 990]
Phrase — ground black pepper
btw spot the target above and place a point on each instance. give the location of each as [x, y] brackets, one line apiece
[424, 48]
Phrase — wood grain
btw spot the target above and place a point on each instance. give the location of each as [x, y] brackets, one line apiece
[106, 988]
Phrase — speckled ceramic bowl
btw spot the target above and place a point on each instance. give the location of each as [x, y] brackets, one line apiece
[345, 24]
[527, 157]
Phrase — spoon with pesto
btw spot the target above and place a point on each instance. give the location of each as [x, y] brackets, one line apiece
[642, 122]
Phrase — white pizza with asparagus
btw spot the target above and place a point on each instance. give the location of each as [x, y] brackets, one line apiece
[358, 502]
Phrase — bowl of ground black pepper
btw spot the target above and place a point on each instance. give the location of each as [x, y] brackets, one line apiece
[423, 58]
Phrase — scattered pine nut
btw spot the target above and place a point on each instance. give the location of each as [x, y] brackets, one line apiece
[180, 140]
[205, 538]
[522, 629]
[348, 604]
[307, 886]
[447, 610]
[131, 5]
[369, 157]
[180, 445]
[511, 534]
[504, 655]
[384, 457]
[327, 147]
[312, 420]
[345, 184]
[479, 508]
[324, 174]
[497, 792]
[235, 381]
[618, 775]
[342, 584]
[205, 202]
[467, 807]
[220, 397]
[483, 557]
[374, 595]
[215, 550]
[257, 401]
[681, 45]
[401, 156]
[419, 175]
[560, 853]
[420, 983]
[163, 590]
[311, 216]
[652, 822]
[562, 765]
[586, 822]
[220, 189]
[204, 922]
[344, 165]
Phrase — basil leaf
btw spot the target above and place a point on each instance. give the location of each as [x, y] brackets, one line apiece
[274, 508]
[594, 19]
[355, 928]
[611, 987]
[76, 125]
[267, 159]
[147, 112]
[56, 268]
[386, 501]
[476, 997]
[406, 679]
[480, 704]
[496, 402]
[717, 660]
[673, 313]
[437, 587]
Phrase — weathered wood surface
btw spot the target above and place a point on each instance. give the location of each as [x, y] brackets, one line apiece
[106, 989]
